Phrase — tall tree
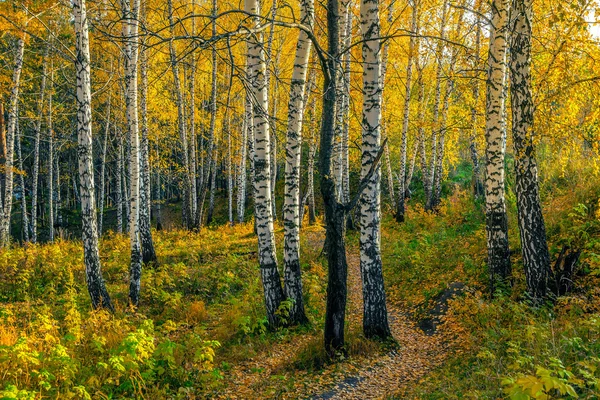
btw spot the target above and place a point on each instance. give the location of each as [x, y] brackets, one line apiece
[7, 196]
[536, 258]
[182, 126]
[291, 207]
[263, 210]
[95, 282]
[24, 216]
[495, 136]
[130, 35]
[51, 197]
[103, 167]
[36, 149]
[148, 252]
[477, 184]
[375, 319]
[406, 112]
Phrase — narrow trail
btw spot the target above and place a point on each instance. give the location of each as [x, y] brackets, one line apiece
[386, 375]
[374, 377]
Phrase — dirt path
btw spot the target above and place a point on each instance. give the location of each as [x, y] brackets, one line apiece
[376, 377]
[388, 374]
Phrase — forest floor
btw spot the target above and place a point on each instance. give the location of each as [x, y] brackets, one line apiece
[377, 374]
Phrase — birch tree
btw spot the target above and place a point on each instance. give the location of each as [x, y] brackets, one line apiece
[400, 204]
[375, 319]
[477, 184]
[36, 150]
[148, 252]
[95, 282]
[130, 35]
[263, 211]
[103, 168]
[50, 159]
[291, 207]
[6, 203]
[24, 216]
[536, 258]
[495, 136]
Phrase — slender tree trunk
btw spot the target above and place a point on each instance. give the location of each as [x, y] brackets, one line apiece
[194, 218]
[312, 152]
[50, 159]
[93, 269]
[59, 218]
[213, 182]
[6, 209]
[273, 112]
[103, 169]
[291, 207]
[345, 139]
[477, 184]
[158, 195]
[439, 165]
[24, 216]
[436, 108]
[273, 291]
[495, 136]
[119, 188]
[241, 178]
[536, 258]
[181, 118]
[36, 151]
[148, 252]
[209, 159]
[412, 48]
[375, 319]
[130, 35]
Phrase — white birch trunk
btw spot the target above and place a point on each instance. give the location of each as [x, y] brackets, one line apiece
[375, 320]
[291, 207]
[130, 35]
[50, 160]
[262, 168]
[495, 136]
[95, 282]
[36, 151]
[103, 169]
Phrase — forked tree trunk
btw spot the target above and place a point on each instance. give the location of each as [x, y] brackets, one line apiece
[291, 207]
[495, 136]
[273, 291]
[536, 258]
[95, 282]
[375, 319]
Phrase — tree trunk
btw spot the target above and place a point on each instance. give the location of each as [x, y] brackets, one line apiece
[36, 151]
[436, 109]
[50, 160]
[24, 216]
[375, 319]
[6, 209]
[119, 188]
[95, 282]
[536, 258]
[130, 35]
[195, 215]
[148, 252]
[412, 47]
[103, 169]
[182, 123]
[495, 136]
[291, 207]
[241, 178]
[477, 184]
[273, 292]
[273, 112]
[335, 212]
